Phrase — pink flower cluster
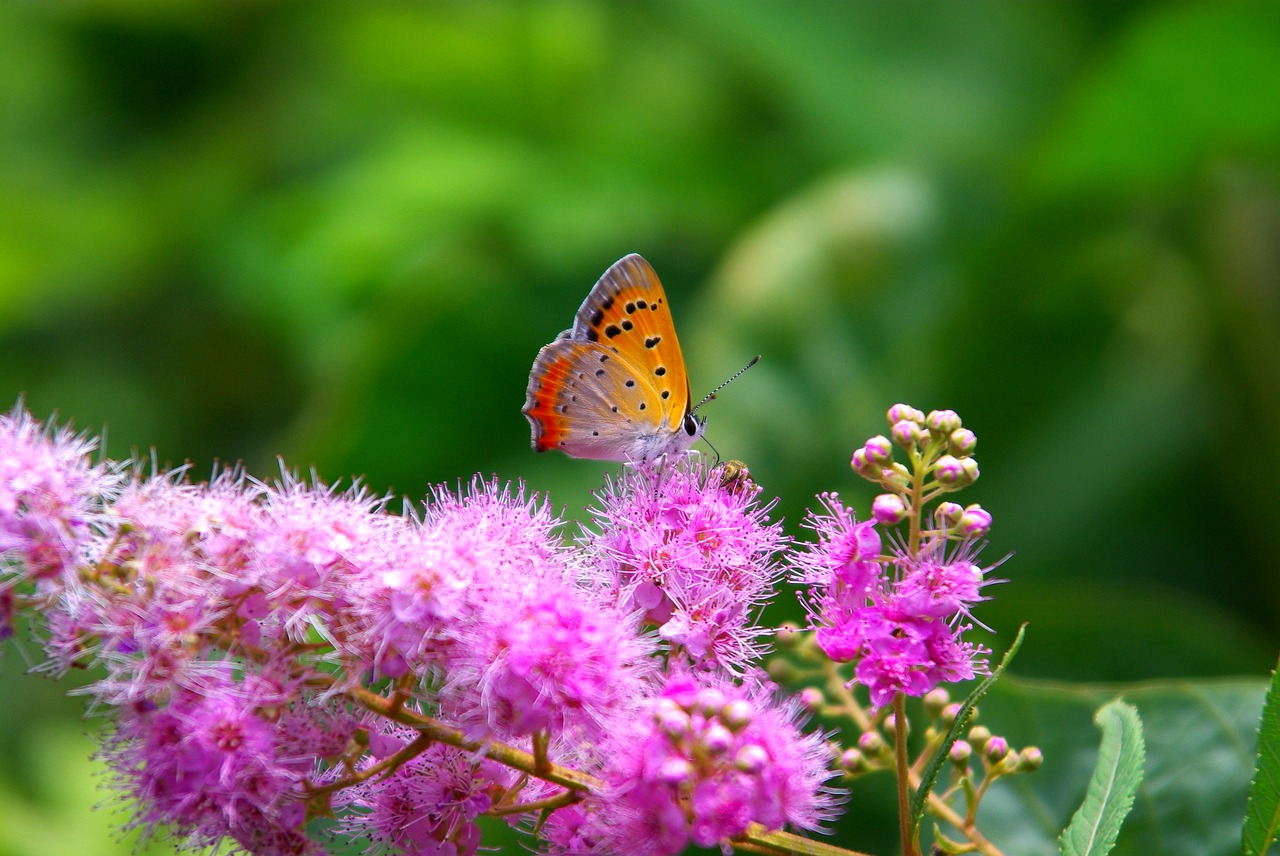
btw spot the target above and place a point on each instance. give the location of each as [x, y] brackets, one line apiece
[238, 623]
[702, 759]
[696, 560]
[899, 618]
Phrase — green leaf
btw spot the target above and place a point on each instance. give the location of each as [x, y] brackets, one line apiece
[1262, 816]
[930, 774]
[1096, 824]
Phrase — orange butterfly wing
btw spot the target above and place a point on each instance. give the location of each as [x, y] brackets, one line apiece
[614, 386]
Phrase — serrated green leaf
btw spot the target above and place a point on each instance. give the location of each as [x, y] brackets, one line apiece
[930, 774]
[1093, 829]
[1262, 815]
[1200, 753]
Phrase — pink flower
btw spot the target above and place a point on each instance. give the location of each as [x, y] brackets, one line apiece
[51, 496]
[428, 805]
[695, 557]
[554, 659]
[705, 759]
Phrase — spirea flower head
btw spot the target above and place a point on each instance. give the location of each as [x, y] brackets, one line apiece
[443, 572]
[426, 806]
[704, 759]
[897, 617]
[557, 660]
[208, 764]
[695, 557]
[50, 495]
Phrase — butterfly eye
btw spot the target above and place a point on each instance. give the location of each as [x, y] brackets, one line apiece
[691, 425]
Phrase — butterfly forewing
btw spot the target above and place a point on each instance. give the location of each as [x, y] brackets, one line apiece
[627, 311]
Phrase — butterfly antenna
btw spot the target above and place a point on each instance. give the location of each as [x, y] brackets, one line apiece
[736, 375]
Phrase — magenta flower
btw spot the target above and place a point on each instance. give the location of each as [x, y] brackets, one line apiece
[695, 557]
[902, 630]
[209, 765]
[427, 806]
[552, 660]
[704, 760]
[51, 495]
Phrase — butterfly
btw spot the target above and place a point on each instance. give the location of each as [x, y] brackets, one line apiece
[614, 387]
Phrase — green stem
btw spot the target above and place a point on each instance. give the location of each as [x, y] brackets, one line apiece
[909, 845]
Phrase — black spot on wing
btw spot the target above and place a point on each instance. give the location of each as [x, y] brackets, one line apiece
[652, 341]
[626, 324]
[612, 330]
[660, 371]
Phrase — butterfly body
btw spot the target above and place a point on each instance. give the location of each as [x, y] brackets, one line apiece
[614, 386]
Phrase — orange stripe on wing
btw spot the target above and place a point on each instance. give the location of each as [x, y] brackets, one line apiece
[551, 427]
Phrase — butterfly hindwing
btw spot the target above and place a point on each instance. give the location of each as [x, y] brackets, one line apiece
[584, 399]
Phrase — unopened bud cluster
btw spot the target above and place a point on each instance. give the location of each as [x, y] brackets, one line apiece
[939, 453]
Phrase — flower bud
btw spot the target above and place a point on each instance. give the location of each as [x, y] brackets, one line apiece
[852, 761]
[949, 470]
[891, 723]
[996, 748]
[751, 759]
[970, 466]
[871, 743]
[936, 700]
[878, 450]
[860, 463]
[716, 739]
[709, 702]
[737, 714]
[975, 522]
[674, 724]
[962, 442]
[950, 712]
[780, 671]
[978, 736]
[960, 751]
[675, 772]
[812, 699]
[895, 476]
[942, 422]
[949, 513]
[904, 413]
[906, 434]
[1030, 759]
[888, 509]
[788, 635]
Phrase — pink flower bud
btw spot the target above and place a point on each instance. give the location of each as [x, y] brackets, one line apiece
[975, 522]
[1030, 759]
[812, 699]
[888, 509]
[949, 470]
[963, 442]
[737, 714]
[852, 761]
[878, 449]
[675, 772]
[751, 759]
[960, 751]
[871, 743]
[717, 739]
[949, 513]
[906, 434]
[996, 748]
[904, 413]
[942, 422]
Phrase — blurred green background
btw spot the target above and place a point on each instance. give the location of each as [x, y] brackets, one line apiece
[339, 233]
